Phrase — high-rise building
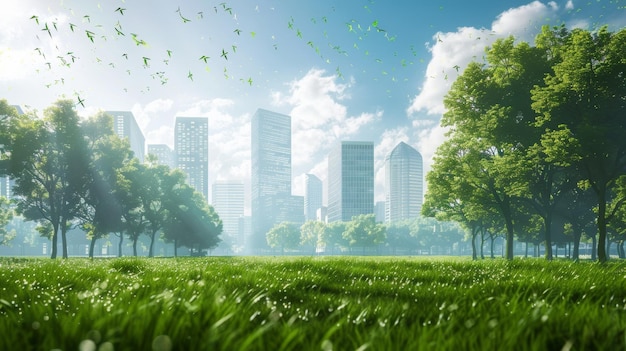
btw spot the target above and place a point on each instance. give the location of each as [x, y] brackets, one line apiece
[379, 211]
[313, 192]
[350, 180]
[270, 173]
[403, 183]
[191, 150]
[125, 126]
[163, 153]
[228, 201]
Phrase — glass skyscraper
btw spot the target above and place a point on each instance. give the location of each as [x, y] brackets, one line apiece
[164, 154]
[350, 180]
[228, 201]
[126, 127]
[191, 149]
[270, 173]
[404, 188]
[313, 192]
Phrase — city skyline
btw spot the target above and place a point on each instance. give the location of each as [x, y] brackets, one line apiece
[191, 151]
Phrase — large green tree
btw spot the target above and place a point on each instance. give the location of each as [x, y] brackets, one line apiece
[584, 97]
[50, 168]
[101, 211]
[6, 215]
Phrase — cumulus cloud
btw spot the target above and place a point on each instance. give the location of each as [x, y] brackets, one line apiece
[319, 119]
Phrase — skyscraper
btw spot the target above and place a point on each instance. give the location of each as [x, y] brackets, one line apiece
[228, 201]
[125, 126]
[164, 154]
[191, 148]
[350, 180]
[403, 183]
[312, 196]
[271, 172]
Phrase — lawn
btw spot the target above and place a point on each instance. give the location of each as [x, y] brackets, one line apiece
[320, 303]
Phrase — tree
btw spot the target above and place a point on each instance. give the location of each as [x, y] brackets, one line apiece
[48, 163]
[6, 215]
[129, 191]
[311, 234]
[284, 235]
[584, 97]
[191, 222]
[399, 236]
[334, 237]
[363, 231]
[101, 211]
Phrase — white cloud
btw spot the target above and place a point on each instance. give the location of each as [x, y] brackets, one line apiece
[569, 5]
[319, 118]
[144, 115]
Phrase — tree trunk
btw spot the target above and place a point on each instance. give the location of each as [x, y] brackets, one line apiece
[151, 251]
[602, 253]
[135, 247]
[547, 222]
[493, 239]
[526, 250]
[92, 245]
[474, 234]
[55, 239]
[119, 245]
[576, 252]
[64, 240]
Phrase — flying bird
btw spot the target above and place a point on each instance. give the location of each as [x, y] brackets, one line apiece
[80, 101]
[185, 20]
[45, 27]
[120, 10]
[36, 18]
[224, 54]
[72, 26]
[89, 35]
[204, 58]
[145, 61]
[238, 31]
[190, 76]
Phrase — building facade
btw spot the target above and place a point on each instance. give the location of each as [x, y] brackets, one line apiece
[313, 191]
[350, 180]
[404, 189]
[270, 173]
[191, 150]
[163, 153]
[126, 127]
[228, 200]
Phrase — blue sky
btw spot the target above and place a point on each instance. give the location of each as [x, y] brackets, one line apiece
[344, 70]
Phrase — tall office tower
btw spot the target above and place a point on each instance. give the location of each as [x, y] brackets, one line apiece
[270, 173]
[350, 180]
[312, 196]
[125, 125]
[379, 211]
[191, 150]
[403, 183]
[164, 154]
[228, 201]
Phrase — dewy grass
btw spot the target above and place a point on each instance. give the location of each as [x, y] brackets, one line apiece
[324, 303]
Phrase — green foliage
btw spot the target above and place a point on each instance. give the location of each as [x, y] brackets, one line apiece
[284, 235]
[6, 215]
[311, 304]
[364, 231]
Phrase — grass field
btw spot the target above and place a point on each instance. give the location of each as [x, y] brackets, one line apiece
[322, 303]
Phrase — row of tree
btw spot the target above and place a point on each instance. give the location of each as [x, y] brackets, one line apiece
[71, 172]
[363, 232]
[536, 136]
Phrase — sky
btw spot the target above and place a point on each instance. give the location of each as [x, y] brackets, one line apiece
[357, 70]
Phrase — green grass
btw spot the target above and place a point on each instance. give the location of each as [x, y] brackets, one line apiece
[311, 304]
